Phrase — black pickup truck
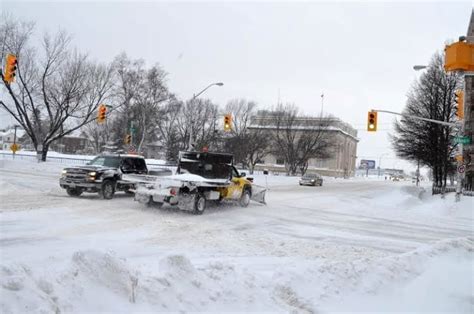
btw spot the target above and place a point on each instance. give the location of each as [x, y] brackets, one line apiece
[103, 174]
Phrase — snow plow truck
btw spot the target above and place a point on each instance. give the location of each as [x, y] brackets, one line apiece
[200, 177]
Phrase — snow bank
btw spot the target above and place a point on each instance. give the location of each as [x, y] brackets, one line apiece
[97, 281]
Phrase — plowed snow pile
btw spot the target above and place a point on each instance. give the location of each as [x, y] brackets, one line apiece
[97, 281]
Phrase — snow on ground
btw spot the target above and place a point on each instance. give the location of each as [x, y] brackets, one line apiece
[351, 245]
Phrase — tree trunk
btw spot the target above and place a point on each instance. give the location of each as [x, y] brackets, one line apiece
[44, 152]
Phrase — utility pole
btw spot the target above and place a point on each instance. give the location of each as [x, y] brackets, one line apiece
[418, 174]
[322, 104]
[14, 141]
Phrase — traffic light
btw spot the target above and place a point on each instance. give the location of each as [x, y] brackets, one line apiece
[10, 68]
[227, 122]
[101, 114]
[372, 121]
[459, 100]
[128, 139]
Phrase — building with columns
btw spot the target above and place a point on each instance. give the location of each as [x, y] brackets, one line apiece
[343, 136]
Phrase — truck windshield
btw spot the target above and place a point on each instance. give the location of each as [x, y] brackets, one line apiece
[113, 162]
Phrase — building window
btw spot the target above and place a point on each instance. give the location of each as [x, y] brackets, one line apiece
[280, 161]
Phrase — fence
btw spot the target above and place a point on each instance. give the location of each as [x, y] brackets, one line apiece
[62, 160]
[71, 160]
[468, 193]
[442, 189]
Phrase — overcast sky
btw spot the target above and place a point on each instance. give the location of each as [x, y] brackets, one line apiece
[359, 54]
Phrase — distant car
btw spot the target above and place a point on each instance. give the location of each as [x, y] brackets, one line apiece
[313, 179]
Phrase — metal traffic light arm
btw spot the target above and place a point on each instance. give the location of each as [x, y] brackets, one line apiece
[454, 124]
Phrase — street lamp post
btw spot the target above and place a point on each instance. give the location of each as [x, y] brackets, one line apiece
[14, 140]
[191, 135]
[418, 68]
[380, 162]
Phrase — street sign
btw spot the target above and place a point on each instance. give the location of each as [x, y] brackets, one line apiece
[14, 147]
[462, 140]
[132, 150]
[461, 169]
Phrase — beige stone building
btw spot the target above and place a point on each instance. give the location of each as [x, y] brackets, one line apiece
[343, 154]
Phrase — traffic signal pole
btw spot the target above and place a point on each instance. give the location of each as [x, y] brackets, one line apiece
[460, 130]
[453, 124]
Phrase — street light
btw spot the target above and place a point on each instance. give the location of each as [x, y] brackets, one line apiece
[380, 162]
[190, 144]
[419, 67]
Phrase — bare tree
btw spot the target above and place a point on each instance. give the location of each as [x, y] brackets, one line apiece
[200, 115]
[97, 136]
[138, 97]
[297, 138]
[152, 94]
[247, 145]
[424, 142]
[57, 89]
[168, 128]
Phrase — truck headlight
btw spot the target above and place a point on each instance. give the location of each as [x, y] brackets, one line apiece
[92, 175]
[312, 181]
[63, 173]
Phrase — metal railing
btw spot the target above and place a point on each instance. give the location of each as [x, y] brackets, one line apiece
[442, 189]
[467, 193]
[62, 160]
[71, 160]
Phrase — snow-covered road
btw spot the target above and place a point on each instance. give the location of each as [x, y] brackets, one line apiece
[348, 245]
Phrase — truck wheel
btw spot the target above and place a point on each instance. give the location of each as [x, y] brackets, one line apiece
[245, 198]
[108, 190]
[199, 204]
[73, 192]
